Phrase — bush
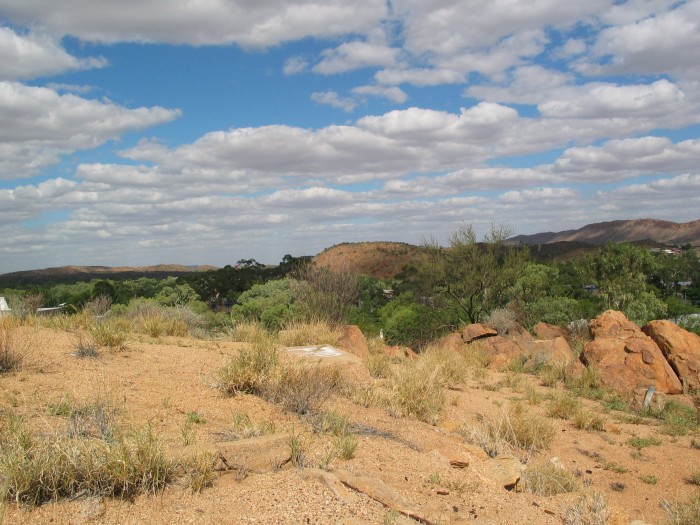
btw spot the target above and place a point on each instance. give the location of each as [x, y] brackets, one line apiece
[325, 294]
[502, 320]
[272, 304]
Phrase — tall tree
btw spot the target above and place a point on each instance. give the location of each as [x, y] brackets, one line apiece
[470, 277]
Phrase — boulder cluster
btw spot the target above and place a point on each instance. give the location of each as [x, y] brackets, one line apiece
[628, 358]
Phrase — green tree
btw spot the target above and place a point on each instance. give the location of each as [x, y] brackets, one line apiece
[272, 304]
[470, 278]
[620, 272]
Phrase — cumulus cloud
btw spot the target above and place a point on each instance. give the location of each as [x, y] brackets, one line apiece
[355, 55]
[333, 99]
[295, 65]
[38, 125]
[393, 93]
[259, 24]
[31, 55]
[653, 44]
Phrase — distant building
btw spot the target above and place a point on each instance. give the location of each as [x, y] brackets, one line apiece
[3, 306]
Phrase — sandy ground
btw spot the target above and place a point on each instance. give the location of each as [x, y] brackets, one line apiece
[161, 381]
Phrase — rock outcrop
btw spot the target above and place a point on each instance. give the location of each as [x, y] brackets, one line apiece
[354, 341]
[549, 331]
[626, 358]
[554, 351]
[476, 331]
[504, 351]
[680, 347]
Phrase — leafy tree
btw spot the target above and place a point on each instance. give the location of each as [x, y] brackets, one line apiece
[408, 322]
[272, 303]
[620, 272]
[470, 278]
[174, 294]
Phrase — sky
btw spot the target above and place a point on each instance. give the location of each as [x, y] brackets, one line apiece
[207, 131]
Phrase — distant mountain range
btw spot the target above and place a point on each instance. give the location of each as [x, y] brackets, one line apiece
[664, 232]
[386, 259]
[68, 274]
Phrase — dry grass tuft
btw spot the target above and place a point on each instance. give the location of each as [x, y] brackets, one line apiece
[249, 332]
[417, 391]
[112, 333]
[548, 480]
[515, 431]
[248, 372]
[55, 467]
[243, 427]
[684, 513]
[379, 366]
[564, 406]
[14, 345]
[198, 471]
[300, 387]
[587, 420]
[315, 332]
[591, 509]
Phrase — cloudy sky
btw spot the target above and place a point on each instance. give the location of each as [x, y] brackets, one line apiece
[205, 131]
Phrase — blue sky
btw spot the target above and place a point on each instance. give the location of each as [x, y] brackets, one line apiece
[202, 132]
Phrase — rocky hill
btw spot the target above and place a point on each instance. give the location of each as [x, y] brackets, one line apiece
[670, 233]
[382, 260]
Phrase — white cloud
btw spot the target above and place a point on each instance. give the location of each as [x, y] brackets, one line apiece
[393, 93]
[419, 76]
[257, 24]
[657, 44]
[630, 157]
[355, 55]
[37, 126]
[333, 99]
[31, 55]
[295, 65]
[605, 100]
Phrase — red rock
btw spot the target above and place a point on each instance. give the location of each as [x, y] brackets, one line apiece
[504, 350]
[551, 351]
[613, 324]
[477, 331]
[354, 341]
[680, 347]
[549, 331]
[452, 342]
[626, 358]
[519, 331]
